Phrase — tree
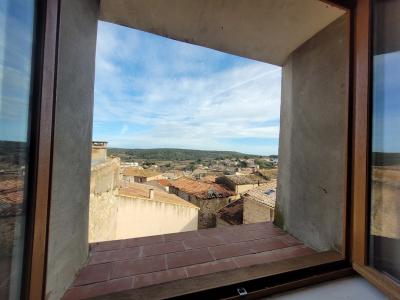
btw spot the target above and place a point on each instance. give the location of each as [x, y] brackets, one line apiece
[243, 164]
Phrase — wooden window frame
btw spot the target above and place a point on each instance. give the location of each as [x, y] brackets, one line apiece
[294, 273]
[361, 151]
[40, 148]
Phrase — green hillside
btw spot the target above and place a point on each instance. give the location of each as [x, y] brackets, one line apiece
[175, 154]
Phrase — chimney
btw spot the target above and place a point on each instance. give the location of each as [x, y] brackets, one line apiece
[99, 152]
[151, 193]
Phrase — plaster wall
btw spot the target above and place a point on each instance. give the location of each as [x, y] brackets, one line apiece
[68, 234]
[141, 217]
[313, 133]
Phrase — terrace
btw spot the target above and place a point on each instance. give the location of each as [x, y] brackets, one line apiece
[142, 262]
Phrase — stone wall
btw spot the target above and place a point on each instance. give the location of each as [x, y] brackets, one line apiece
[104, 183]
[99, 154]
[313, 134]
[254, 212]
[208, 210]
[208, 207]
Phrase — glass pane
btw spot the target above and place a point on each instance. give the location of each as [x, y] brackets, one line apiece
[385, 159]
[16, 38]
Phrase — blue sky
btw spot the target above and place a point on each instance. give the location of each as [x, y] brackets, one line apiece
[16, 24]
[386, 105]
[153, 92]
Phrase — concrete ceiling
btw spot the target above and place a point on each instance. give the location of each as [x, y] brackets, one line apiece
[265, 30]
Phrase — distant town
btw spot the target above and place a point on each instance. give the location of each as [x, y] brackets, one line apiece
[142, 192]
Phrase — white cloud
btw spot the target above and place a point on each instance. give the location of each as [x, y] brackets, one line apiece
[172, 94]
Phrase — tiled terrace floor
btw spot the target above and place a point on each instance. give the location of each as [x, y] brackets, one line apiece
[134, 263]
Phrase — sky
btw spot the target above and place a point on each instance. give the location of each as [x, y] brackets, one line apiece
[16, 27]
[154, 92]
[386, 104]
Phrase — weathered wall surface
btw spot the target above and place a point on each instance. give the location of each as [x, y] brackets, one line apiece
[312, 146]
[240, 189]
[104, 183]
[99, 154]
[208, 207]
[68, 235]
[208, 210]
[254, 212]
[141, 217]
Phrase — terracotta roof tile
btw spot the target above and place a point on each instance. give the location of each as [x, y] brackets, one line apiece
[265, 194]
[164, 182]
[141, 191]
[11, 197]
[202, 190]
[139, 172]
[209, 178]
[246, 179]
[232, 213]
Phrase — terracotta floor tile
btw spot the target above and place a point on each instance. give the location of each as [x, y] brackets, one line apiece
[163, 248]
[274, 255]
[265, 233]
[258, 226]
[142, 241]
[159, 277]
[213, 231]
[211, 267]
[289, 240]
[138, 266]
[92, 274]
[235, 237]
[139, 262]
[202, 242]
[180, 236]
[232, 250]
[187, 258]
[114, 255]
[268, 244]
[105, 246]
[97, 289]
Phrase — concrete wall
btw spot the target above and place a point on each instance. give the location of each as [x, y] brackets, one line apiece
[68, 235]
[104, 183]
[270, 30]
[312, 146]
[141, 217]
[254, 212]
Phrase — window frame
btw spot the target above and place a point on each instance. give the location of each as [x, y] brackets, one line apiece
[361, 151]
[40, 145]
[297, 272]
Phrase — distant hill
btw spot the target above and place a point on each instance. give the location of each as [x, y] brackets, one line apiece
[385, 159]
[176, 154]
[12, 155]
